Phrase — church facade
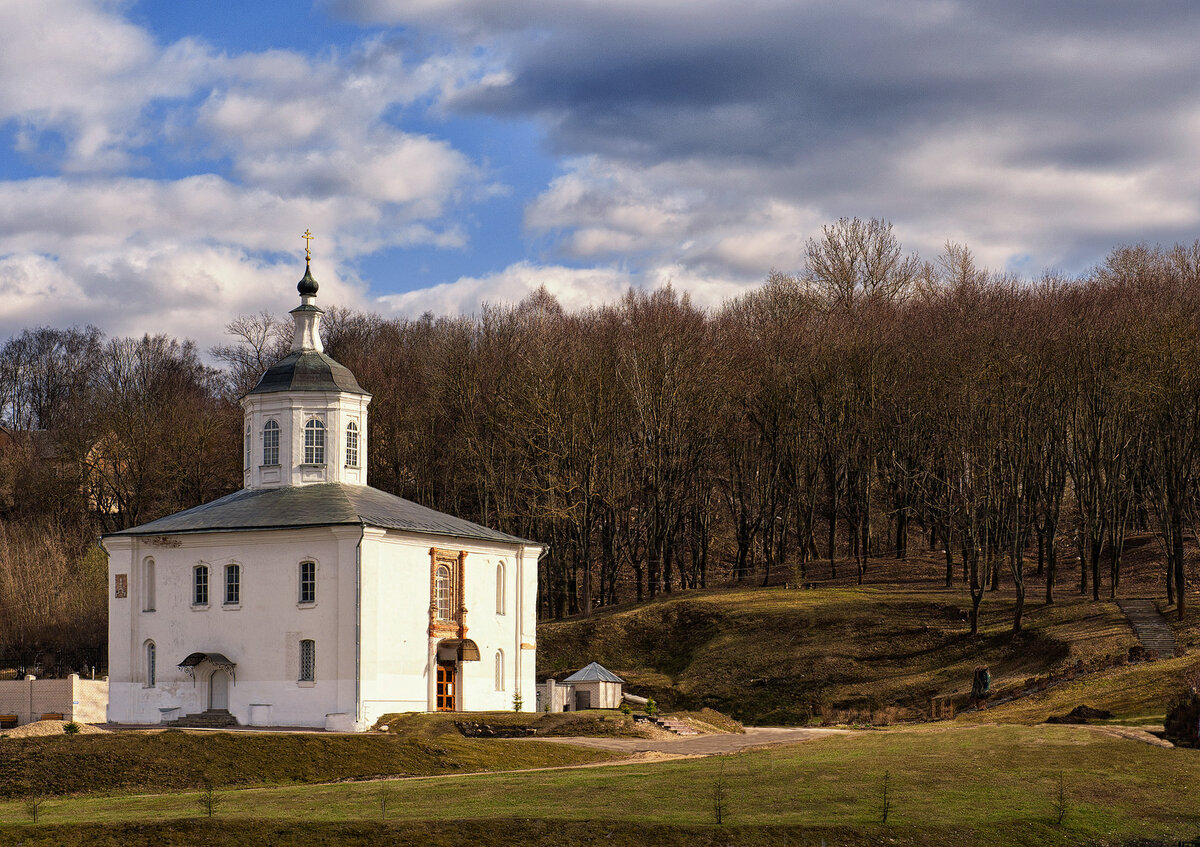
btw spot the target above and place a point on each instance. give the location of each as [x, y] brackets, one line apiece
[308, 598]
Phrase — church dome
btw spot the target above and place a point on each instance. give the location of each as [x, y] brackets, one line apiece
[307, 370]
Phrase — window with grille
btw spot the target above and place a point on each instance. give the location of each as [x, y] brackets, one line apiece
[271, 443]
[200, 586]
[500, 588]
[308, 660]
[499, 670]
[308, 582]
[247, 450]
[352, 445]
[151, 665]
[314, 442]
[233, 585]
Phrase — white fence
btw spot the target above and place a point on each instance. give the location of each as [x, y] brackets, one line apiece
[74, 699]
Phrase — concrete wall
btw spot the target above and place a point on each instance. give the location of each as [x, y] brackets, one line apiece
[75, 699]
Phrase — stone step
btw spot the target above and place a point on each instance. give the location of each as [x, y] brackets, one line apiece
[677, 727]
[1149, 626]
[212, 719]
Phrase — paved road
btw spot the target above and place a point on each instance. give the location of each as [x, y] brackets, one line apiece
[705, 745]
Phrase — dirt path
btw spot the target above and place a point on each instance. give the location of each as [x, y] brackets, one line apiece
[706, 745]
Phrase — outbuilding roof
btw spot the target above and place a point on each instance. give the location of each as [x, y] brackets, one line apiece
[324, 504]
[593, 673]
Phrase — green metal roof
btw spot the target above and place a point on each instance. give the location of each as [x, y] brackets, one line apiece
[325, 504]
[307, 371]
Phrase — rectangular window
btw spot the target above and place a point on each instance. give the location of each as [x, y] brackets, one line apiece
[308, 661]
[308, 582]
[200, 586]
[233, 585]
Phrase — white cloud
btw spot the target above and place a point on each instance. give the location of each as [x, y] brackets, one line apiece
[291, 143]
[575, 288]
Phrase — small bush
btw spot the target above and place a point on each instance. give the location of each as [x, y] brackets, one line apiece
[651, 707]
[518, 702]
[626, 709]
[71, 728]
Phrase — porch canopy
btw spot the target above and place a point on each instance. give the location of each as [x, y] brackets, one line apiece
[217, 660]
[468, 650]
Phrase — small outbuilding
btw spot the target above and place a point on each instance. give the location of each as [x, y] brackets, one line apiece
[591, 687]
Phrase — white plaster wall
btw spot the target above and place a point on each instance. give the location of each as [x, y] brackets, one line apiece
[396, 654]
[292, 410]
[261, 634]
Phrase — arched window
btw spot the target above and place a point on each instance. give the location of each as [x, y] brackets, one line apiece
[271, 443]
[443, 593]
[308, 582]
[352, 445]
[500, 586]
[314, 442]
[246, 463]
[148, 585]
[499, 670]
[233, 585]
[200, 585]
[151, 666]
[308, 660]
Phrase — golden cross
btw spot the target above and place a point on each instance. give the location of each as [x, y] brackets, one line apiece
[308, 237]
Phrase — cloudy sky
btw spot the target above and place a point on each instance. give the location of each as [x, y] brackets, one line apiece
[159, 159]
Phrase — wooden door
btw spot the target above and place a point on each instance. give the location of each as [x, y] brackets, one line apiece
[445, 687]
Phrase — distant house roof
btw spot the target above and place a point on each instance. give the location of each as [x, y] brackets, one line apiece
[307, 370]
[326, 504]
[593, 673]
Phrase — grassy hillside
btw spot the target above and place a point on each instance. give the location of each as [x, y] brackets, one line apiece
[949, 785]
[842, 652]
[138, 761]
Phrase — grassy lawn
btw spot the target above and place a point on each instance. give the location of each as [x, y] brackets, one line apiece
[838, 653]
[951, 785]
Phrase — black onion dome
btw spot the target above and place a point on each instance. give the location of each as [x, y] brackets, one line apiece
[307, 286]
[307, 370]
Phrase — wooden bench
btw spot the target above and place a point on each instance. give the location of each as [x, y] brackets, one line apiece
[52, 716]
[8, 721]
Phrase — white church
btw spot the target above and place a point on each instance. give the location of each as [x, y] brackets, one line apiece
[309, 598]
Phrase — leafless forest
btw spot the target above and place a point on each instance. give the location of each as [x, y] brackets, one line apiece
[872, 402]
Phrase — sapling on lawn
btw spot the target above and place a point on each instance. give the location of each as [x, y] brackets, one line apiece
[33, 806]
[207, 798]
[385, 797]
[719, 796]
[887, 796]
[1061, 806]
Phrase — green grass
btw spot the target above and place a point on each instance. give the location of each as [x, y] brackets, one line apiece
[139, 761]
[951, 786]
[872, 653]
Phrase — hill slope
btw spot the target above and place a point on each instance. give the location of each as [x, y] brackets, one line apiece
[871, 653]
